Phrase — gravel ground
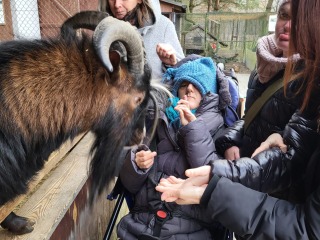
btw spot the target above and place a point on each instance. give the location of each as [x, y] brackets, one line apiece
[238, 67]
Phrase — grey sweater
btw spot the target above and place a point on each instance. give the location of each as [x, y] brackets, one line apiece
[162, 31]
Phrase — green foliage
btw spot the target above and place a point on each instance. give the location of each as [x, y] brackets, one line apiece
[249, 4]
[187, 25]
[231, 5]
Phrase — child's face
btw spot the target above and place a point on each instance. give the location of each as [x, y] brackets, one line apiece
[192, 94]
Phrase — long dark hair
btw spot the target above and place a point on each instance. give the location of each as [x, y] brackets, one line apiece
[304, 39]
[143, 11]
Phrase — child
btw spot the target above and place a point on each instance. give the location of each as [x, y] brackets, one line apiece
[183, 140]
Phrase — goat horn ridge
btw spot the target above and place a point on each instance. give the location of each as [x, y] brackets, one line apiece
[85, 19]
[110, 30]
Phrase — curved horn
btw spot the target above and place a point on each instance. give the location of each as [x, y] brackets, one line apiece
[111, 29]
[85, 19]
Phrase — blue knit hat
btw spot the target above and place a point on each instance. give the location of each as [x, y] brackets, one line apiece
[200, 72]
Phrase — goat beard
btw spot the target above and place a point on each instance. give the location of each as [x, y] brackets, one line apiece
[108, 150]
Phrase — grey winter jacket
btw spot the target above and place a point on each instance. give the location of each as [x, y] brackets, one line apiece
[161, 31]
[255, 215]
[190, 146]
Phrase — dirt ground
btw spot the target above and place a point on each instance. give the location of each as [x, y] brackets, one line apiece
[238, 67]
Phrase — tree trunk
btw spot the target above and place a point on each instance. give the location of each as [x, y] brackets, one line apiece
[216, 5]
[209, 5]
[191, 5]
[269, 5]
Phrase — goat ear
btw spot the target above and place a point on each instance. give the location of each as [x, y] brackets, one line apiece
[115, 59]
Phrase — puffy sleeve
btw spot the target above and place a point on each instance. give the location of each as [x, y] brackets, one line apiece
[255, 215]
[131, 176]
[197, 136]
[273, 170]
[171, 37]
[231, 136]
[198, 143]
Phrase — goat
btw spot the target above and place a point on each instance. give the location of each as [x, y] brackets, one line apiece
[52, 90]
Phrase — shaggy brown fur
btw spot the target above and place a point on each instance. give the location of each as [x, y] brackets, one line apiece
[52, 90]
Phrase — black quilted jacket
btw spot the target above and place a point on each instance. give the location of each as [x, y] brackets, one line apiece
[273, 117]
[255, 215]
[272, 171]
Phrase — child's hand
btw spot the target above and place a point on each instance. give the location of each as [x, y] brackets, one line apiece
[186, 116]
[145, 159]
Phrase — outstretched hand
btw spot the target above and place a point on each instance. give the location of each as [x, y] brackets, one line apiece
[166, 54]
[187, 191]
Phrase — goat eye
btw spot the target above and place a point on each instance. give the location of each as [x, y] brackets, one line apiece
[138, 100]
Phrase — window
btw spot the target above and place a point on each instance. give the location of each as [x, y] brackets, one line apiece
[197, 40]
[1, 13]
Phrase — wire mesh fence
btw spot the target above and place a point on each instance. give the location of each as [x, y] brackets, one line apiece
[222, 36]
[35, 19]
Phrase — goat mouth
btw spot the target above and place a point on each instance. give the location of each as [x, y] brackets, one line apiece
[141, 136]
[153, 129]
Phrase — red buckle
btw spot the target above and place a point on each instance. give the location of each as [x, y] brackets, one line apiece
[162, 214]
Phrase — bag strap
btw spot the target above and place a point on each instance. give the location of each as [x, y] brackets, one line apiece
[258, 104]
